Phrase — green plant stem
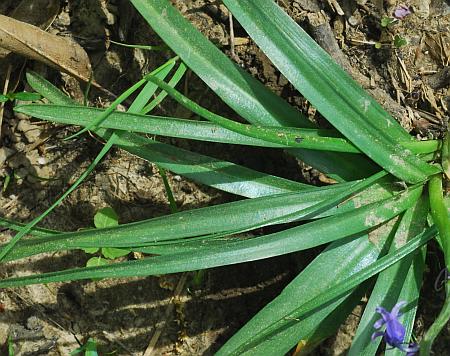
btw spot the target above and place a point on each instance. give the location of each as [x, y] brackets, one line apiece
[119, 100]
[420, 147]
[440, 215]
[290, 137]
[172, 203]
[440, 322]
[445, 154]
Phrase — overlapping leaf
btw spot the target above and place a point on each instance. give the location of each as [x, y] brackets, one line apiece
[255, 103]
[310, 69]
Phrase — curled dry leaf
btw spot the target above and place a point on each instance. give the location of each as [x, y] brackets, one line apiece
[34, 43]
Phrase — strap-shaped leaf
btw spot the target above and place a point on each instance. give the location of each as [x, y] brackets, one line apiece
[182, 128]
[331, 90]
[237, 88]
[243, 93]
[336, 291]
[331, 267]
[410, 292]
[298, 238]
[210, 171]
[224, 219]
[389, 282]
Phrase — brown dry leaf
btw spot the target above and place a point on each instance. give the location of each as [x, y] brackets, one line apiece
[33, 43]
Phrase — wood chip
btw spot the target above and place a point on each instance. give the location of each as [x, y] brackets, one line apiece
[33, 43]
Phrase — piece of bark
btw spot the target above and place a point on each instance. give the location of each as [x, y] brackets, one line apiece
[34, 43]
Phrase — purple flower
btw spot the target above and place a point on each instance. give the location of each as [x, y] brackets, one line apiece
[401, 12]
[395, 331]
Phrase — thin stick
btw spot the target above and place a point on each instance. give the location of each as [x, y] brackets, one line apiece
[233, 54]
[159, 329]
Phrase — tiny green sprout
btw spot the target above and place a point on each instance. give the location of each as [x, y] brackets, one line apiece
[387, 21]
[89, 348]
[6, 182]
[10, 346]
[378, 45]
[399, 41]
[104, 218]
[24, 96]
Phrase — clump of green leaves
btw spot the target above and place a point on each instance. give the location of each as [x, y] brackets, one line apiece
[105, 218]
[376, 233]
[388, 35]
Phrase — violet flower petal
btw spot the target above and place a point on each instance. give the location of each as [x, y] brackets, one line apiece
[377, 334]
[379, 323]
[401, 12]
[395, 313]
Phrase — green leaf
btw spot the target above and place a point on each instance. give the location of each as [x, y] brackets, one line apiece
[3, 98]
[410, 292]
[96, 261]
[197, 130]
[89, 348]
[337, 290]
[243, 93]
[112, 253]
[106, 217]
[237, 88]
[48, 90]
[359, 252]
[179, 73]
[91, 250]
[148, 90]
[400, 41]
[440, 216]
[329, 88]
[222, 175]
[25, 96]
[213, 172]
[445, 154]
[389, 282]
[220, 219]
[387, 21]
[233, 251]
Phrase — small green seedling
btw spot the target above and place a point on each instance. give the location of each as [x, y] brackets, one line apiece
[105, 217]
[6, 182]
[89, 348]
[24, 96]
[388, 21]
[400, 41]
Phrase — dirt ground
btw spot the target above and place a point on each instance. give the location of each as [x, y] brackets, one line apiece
[412, 82]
